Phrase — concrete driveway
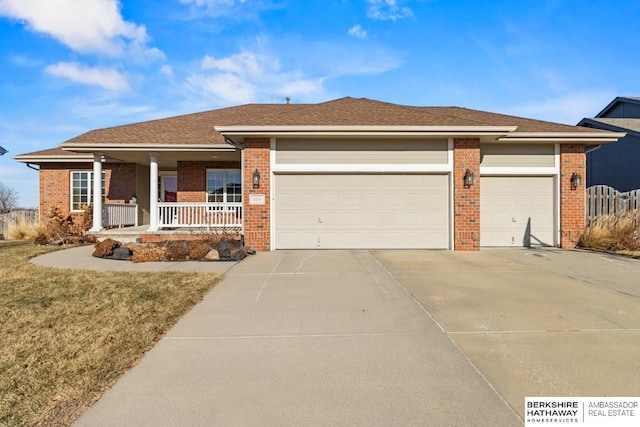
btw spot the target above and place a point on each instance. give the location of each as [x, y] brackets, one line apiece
[382, 338]
[544, 322]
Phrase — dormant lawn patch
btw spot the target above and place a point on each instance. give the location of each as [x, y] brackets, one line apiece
[66, 336]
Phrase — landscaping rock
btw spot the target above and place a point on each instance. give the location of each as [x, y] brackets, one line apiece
[122, 254]
[224, 249]
[212, 255]
[250, 251]
[238, 255]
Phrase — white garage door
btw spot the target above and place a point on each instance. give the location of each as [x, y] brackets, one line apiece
[361, 211]
[517, 211]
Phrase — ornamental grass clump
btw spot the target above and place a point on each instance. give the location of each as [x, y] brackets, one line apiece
[613, 233]
[24, 229]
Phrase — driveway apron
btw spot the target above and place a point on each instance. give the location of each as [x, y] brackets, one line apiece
[304, 338]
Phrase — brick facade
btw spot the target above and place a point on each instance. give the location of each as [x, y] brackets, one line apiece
[55, 190]
[572, 202]
[466, 201]
[257, 218]
[55, 184]
[192, 179]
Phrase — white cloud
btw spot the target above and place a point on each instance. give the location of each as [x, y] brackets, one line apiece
[212, 3]
[106, 78]
[167, 70]
[246, 77]
[86, 26]
[357, 31]
[245, 63]
[387, 10]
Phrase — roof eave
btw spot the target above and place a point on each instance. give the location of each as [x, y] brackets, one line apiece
[103, 147]
[53, 158]
[564, 137]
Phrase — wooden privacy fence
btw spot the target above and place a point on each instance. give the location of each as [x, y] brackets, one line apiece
[603, 200]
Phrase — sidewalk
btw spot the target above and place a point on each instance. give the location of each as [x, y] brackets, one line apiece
[79, 258]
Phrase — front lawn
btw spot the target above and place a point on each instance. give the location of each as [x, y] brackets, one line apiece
[66, 336]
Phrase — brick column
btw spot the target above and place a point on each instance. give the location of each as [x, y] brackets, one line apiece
[466, 201]
[257, 218]
[572, 202]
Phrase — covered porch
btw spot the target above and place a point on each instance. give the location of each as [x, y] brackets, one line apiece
[197, 190]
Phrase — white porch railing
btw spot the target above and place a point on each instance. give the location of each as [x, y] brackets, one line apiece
[119, 215]
[208, 215]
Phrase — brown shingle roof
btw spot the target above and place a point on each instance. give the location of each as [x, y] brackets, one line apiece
[198, 128]
[194, 128]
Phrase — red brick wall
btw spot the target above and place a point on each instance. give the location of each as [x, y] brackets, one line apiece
[466, 201]
[55, 183]
[572, 202]
[192, 179]
[257, 218]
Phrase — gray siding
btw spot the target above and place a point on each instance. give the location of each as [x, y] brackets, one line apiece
[616, 165]
[623, 110]
[372, 151]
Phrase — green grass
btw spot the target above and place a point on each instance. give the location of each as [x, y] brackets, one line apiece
[66, 336]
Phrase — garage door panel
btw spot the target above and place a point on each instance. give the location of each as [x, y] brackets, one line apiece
[362, 211]
[517, 211]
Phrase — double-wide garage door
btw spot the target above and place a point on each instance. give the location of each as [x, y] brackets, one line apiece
[361, 211]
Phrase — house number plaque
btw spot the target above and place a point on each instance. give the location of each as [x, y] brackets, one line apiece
[256, 199]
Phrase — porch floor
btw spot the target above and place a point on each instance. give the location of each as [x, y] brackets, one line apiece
[141, 233]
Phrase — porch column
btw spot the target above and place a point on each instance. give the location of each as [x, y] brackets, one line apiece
[153, 193]
[97, 193]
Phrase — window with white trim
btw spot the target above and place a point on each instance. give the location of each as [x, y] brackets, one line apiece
[224, 186]
[82, 189]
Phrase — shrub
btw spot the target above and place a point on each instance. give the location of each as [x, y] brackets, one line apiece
[198, 249]
[176, 250]
[613, 233]
[146, 253]
[58, 226]
[105, 248]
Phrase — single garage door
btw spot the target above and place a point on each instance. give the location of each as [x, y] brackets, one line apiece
[344, 211]
[517, 211]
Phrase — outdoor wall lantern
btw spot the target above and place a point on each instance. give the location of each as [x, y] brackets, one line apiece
[256, 179]
[468, 179]
[576, 180]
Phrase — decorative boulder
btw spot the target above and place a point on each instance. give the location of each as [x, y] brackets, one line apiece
[224, 249]
[238, 255]
[212, 255]
[122, 254]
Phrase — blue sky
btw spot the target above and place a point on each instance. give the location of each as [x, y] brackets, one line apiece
[70, 66]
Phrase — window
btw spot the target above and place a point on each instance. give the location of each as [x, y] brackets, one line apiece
[224, 186]
[82, 189]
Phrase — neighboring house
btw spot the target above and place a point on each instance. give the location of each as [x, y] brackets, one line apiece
[348, 173]
[616, 165]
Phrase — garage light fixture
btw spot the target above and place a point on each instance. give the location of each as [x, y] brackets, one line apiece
[576, 180]
[256, 179]
[468, 179]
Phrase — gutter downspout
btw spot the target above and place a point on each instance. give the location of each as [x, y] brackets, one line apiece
[30, 166]
[591, 148]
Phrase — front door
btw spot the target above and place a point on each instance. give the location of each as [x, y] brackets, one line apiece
[168, 188]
